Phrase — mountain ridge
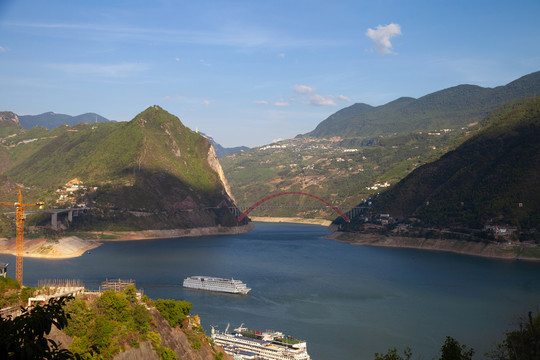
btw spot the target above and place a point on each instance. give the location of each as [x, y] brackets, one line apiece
[223, 151]
[51, 120]
[451, 107]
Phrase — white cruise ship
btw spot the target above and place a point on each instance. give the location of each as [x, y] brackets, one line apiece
[245, 344]
[216, 284]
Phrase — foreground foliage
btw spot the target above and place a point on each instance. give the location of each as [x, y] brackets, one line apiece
[520, 344]
[24, 337]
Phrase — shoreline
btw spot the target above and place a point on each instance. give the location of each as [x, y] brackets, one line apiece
[77, 245]
[111, 236]
[80, 243]
[482, 249]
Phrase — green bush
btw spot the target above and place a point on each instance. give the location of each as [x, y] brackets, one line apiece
[166, 353]
[141, 318]
[26, 293]
[174, 311]
[8, 284]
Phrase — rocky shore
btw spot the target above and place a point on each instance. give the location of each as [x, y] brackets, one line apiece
[74, 246]
[508, 251]
[66, 247]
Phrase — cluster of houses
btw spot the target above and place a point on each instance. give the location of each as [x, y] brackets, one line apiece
[501, 230]
[378, 186]
[68, 193]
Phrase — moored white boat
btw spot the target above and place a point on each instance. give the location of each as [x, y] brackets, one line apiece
[243, 343]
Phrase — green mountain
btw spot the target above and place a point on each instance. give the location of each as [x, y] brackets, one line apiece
[361, 156]
[450, 108]
[50, 120]
[491, 179]
[149, 173]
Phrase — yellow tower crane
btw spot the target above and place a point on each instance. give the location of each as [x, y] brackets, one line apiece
[20, 233]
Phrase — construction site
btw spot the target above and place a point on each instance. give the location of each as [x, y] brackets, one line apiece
[46, 289]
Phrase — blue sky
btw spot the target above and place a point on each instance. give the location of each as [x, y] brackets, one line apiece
[251, 72]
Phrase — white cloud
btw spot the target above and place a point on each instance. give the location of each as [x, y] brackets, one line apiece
[319, 100]
[303, 89]
[381, 37]
[2, 49]
[281, 55]
[206, 103]
[281, 103]
[343, 98]
[306, 95]
[177, 59]
[311, 98]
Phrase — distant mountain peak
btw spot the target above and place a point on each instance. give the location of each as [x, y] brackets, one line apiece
[222, 151]
[51, 120]
[453, 107]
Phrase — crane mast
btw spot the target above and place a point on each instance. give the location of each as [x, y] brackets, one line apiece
[19, 221]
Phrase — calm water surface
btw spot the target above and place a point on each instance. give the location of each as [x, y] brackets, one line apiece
[346, 301]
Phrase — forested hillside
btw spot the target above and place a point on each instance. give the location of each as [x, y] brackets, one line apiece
[491, 179]
[149, 173]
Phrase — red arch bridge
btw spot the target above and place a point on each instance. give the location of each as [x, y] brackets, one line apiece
[258, 203]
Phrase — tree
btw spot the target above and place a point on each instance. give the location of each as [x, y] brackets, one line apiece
[522, 344]
[141, 318]
[174, 311]
[80, 318]
[24, 336]
[102, 334]
[452, 350]
[393, 355]
[113, 306]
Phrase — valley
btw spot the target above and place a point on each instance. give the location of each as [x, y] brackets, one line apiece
[340, 179]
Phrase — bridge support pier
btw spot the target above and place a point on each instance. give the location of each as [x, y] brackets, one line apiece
[54, 221]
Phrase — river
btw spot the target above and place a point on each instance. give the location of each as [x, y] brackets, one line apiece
[346, 301]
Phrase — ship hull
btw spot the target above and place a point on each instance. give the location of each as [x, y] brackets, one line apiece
[208, 283]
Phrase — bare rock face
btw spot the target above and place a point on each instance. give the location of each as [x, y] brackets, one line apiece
[9, 116]
[144, 352]
[216, 166]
